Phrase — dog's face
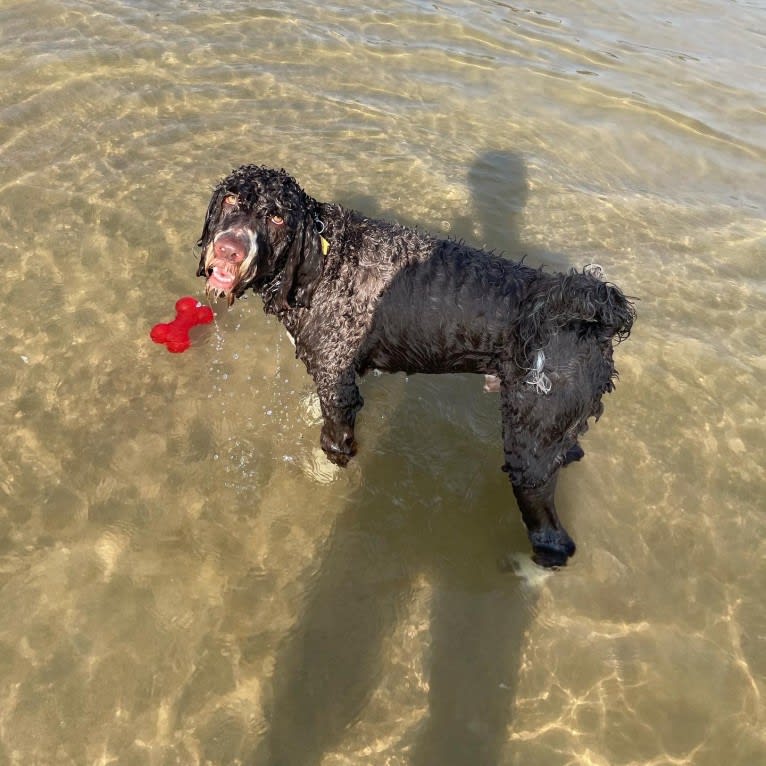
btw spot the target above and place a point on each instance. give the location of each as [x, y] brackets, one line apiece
[260, 230]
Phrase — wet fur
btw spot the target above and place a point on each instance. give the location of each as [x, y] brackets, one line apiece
[392, 298]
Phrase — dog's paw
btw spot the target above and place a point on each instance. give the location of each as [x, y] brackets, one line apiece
[551, 547]
[338, 443]
[573, 454]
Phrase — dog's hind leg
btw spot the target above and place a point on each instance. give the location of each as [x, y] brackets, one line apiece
[539, 437]
[551, 543]
[544, 413]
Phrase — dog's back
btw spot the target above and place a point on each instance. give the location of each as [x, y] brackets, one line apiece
[452, 311]
[451, 308]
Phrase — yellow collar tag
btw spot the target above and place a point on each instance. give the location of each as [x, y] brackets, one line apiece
[325, 245]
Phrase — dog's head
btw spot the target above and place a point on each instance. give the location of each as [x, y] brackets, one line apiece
[261, 231]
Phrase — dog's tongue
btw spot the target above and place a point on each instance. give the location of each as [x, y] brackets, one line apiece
[221, 280]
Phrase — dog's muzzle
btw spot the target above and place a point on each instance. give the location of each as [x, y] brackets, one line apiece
[228, 260]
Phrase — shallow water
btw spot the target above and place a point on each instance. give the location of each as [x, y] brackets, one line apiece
[186, 580]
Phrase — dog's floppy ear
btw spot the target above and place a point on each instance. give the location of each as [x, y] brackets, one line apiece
[213, 209]
[303, 268]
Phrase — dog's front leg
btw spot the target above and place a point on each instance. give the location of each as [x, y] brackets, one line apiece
[340, 400]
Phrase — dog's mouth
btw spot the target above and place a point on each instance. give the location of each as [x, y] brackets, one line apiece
[228, 262]
[222, 281]
[221, 278]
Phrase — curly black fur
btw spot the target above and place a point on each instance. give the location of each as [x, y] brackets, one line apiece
[359, 294]
[577, 297]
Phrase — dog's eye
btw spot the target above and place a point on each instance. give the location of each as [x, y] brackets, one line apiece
[277, 219]
[230, 200]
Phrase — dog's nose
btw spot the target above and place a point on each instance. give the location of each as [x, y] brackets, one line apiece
[228, 247]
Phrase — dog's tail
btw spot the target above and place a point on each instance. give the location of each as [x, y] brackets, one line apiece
[579, 300]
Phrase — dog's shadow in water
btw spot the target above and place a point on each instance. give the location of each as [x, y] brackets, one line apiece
[424, 531]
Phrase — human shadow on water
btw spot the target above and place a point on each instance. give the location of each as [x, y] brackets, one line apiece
[499, 189]
[420, 541]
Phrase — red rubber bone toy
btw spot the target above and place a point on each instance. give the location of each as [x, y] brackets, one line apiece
[175, 334]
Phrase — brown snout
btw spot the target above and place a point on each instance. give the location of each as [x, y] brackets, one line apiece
[229, 248]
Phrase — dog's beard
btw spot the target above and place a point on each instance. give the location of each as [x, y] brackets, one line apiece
[213, 293]
[222, 280]
[225, 278]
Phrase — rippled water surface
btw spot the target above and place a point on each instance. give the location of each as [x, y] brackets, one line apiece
[186, 580]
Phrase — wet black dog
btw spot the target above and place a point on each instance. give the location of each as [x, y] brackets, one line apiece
[358, 294]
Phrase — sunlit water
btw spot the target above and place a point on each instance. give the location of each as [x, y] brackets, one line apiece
[186, 580]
